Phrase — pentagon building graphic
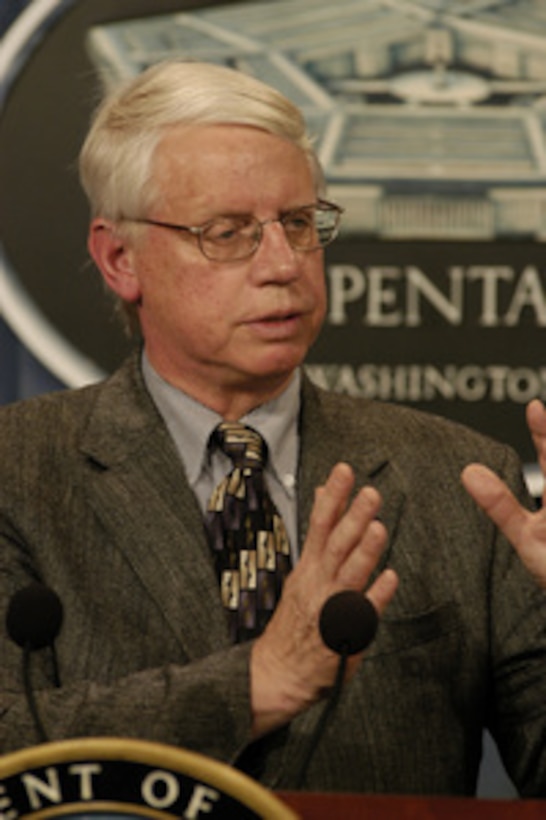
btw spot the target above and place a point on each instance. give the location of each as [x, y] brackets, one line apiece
[429, 117]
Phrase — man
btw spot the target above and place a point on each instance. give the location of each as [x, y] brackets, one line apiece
[208, 224]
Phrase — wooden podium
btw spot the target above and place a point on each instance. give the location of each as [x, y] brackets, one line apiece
[313, 806]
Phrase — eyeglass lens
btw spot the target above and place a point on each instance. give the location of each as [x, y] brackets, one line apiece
[235, 237]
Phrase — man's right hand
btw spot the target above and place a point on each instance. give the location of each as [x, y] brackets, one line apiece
[291, 668]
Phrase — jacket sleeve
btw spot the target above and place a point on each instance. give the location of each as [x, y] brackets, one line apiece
[202, 705]
[129, 680]
[517, 697]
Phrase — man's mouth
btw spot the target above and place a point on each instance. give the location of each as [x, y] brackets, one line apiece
[283, 324]
[280, 317]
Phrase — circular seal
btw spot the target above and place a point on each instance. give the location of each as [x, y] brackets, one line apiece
[50, 294]
[127, 778]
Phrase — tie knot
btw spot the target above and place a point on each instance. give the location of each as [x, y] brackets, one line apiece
[244, 446]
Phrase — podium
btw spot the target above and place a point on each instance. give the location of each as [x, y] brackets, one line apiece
[127, 779]
[313, 806]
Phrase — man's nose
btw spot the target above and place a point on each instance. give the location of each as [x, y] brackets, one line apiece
[283, 262]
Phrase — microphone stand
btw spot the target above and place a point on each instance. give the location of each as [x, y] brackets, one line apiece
[29, 693]
[321, 723]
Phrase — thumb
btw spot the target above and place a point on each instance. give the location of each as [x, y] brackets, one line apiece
[495, 499]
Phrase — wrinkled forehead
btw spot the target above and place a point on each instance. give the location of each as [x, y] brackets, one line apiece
[224, 140]
[231, 163]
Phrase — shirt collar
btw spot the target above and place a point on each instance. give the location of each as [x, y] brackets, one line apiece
[190, 424]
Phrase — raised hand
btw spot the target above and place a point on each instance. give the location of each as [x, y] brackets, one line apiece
[291, 667]
[524, 529]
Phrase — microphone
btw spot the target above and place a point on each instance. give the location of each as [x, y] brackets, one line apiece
[33, 620]
[347, 623]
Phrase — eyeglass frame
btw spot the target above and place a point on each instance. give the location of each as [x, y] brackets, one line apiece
[198, 230]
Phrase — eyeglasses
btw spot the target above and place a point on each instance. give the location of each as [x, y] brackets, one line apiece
[232, 238]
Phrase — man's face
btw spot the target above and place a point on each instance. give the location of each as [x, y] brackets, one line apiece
[229, 324]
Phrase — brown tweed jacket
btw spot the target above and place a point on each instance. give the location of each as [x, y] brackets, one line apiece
[94, 502]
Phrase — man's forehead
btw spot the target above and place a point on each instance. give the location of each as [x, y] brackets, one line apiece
[209, 162]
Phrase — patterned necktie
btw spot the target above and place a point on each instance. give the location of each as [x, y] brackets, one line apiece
[247, 534]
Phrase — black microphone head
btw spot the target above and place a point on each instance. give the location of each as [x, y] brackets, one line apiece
[34, 616]
[348, 622]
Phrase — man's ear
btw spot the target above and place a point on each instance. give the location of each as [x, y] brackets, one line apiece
[114, 258]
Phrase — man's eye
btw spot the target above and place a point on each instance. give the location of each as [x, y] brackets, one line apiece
[227, 230]
[223, 231]
[225, 235]
[299, 221]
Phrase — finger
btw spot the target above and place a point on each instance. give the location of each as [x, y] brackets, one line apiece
[353, 530]
[329, 504]
[355, 570]
[495, 499]
[536, 421]
[383, 590]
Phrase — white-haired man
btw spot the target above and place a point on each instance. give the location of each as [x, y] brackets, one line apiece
[209, 221]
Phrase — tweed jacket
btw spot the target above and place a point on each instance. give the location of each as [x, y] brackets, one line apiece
[95, 503]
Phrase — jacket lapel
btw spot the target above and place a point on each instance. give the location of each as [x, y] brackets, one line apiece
[366, 436]
[138, 488]
[328, 436]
